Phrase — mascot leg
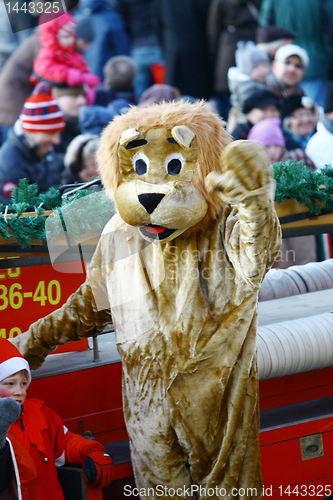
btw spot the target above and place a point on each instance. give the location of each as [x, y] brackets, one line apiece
[180, 437]
[159, 461]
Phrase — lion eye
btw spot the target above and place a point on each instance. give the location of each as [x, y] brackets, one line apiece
[140, 163]
[140, 167]
[174, 164]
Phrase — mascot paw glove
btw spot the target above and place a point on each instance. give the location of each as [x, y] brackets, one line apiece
[246, 172]
[98, 468]
[10, 411]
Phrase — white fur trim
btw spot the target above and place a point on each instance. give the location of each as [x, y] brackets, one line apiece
[50, 116]
[41, 104]
[60, 460]
[14, 365]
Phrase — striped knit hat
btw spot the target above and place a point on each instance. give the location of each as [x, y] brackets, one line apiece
[41, 113]
[11, 360]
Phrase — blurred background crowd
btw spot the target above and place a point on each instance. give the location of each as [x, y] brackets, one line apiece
[265, 66]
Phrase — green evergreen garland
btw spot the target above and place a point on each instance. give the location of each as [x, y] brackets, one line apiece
[92, 215]
[313, 189]
[293, 181]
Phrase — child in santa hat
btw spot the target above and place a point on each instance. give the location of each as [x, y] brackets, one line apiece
[34, 441]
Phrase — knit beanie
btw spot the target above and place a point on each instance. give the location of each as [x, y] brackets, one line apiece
[267, 132]
[271, 33]
[261, 99]
[295, 102]
[289, 50]
[84, 29]
[41, 113]
[248, 55]
[11, 360]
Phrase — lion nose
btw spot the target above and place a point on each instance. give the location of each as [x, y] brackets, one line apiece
[150, 200]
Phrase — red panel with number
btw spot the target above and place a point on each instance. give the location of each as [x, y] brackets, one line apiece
[30, 293]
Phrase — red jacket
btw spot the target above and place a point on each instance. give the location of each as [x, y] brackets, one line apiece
[54, 63]
[41, 433]
[24, 483]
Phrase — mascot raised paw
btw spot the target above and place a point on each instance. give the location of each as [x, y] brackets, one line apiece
[178, 270]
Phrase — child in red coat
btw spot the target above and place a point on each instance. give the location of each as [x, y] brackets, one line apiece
[58, 63]
[39, 434]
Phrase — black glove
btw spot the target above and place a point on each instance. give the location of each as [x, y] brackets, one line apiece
[98, 468]
[10, 411]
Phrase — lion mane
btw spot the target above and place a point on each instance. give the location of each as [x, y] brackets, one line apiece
[210, 135]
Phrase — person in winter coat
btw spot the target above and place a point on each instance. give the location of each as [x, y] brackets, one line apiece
[80, 161]
[288, 70]
[313, 22]
[70, 101]
[58, 62]
[119, 76]
[158, 93]
[302, 249]
[28, 153]
[42, 434]
[229, 21]
[110, 35]
[269, 133]
[300, 116]
[15, 86]
[271, 38]
[139, 18]
[257, 106]
[182, 31]
[320, 145]
[248, 76]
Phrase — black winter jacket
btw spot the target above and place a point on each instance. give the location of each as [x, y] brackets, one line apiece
[19, 160]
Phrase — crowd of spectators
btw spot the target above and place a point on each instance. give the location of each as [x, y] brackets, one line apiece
[264, 66]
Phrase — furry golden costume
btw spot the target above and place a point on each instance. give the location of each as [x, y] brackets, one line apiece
[178, 270]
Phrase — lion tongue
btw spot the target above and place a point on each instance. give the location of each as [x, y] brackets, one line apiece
[155, 229]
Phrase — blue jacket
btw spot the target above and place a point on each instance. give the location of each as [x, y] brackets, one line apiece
[110, 38]
[18, 160]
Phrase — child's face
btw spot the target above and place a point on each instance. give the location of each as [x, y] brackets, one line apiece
[15, 387]
[90, 170]
[275, 152]
[66, 35]
[260, 71]
[66, 41]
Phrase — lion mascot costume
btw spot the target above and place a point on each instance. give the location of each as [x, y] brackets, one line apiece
[177, 270]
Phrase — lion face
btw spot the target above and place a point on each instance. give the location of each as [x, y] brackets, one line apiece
[156, 193]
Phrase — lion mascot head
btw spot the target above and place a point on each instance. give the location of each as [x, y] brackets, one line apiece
[154, 162]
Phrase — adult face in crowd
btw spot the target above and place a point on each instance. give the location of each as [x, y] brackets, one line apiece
[44, 141]
[289, 66]
[300, 115]
[70, 100]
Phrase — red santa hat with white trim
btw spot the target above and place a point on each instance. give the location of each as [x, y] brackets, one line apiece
[41, 112]
[11, 360]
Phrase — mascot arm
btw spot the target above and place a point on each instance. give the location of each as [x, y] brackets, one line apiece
[83, 315]
[78, 318]
[252, 233]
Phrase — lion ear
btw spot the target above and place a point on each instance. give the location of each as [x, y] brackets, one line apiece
[183, 135]
[130, 135]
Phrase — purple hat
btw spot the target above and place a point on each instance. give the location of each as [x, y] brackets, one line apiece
[267, 132]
